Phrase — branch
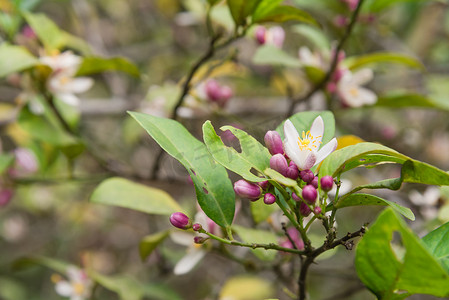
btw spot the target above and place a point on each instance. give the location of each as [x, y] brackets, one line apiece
[334, 63]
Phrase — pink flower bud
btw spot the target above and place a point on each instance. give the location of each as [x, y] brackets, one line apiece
[273, 142]
[327, 182]
[295, 197]
[276, 36]
[247, 190]
[197, 227]
[306, 176]
[28, 32]
[293, 233]
[25, 163]
[269, 198]
[309, 193]
[199, 240]
[225, 94]
[304, 210]
[180, 220]
[213, 90]
[263, 184]
[314, 182]
[5, 196]
[279, 163]
[317, 210]
[341, 21]
[292, 171]
[260, 34]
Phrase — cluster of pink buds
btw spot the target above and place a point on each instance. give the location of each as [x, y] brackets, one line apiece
[274, 36]
[217, 93]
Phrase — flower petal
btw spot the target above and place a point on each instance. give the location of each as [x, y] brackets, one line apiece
[362, 76]
[367, 96]
[189, 261]
[79, 84]
[309, 162]
[290, 132]
[64, 288]
[70, 99]
[182, 238]
[317, 131]
[326, 150]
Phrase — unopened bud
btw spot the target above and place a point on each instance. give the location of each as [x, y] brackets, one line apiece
[276, 36]
[327, 182]
[304, 210]
[247, 189]
[273, 142]
[269, 198]
[317, 210]
[263, 184]
[5, 196]
[279, 163]
[306, 176]
[292, 171]
[314, 182]
[180, 220]
[199, 240]
[309, 193]
[197, 227]
[225, 94]
[260, 34]
[213, 90]
[295, 197]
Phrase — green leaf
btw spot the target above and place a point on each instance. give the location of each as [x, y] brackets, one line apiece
[150, 242]
[303, 121]
[377, 6]
[283, 13]
[15, 59]
[31, 261]
[278, 177]
[51, 36]
[92, 65]
[437, 241]
[315, 75]
[42, 129]
[213, 188]
[256, 236]
[12, 290]
[391, 275]
[357, 62]
[409, 100]
[336, 162]
[271, 55]
[253, 155]
[260, 211]
[241, 9]
[314, 35]
[121, 192]
[367, 199]
[6, 161]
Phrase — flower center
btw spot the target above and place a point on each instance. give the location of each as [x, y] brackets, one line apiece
[307, 142]
[78, 288]
[354, 91]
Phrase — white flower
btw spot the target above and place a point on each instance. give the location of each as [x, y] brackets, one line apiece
[77, 287]
[350, 90]
[305, 150]
[314, 59]
[275, 36]
[195, 252]
[62, 82]
[427, 201]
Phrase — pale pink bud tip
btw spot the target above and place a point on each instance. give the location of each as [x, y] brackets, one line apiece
[269, 198]
[199, 240]
[317, 210]
[309, 193]
[263, 184]
[327, 182]
[295, 197]
[247, 189]
[260, 34]
[306, 176]
[213, 90]
[304, 210]
[279, 163]
[5, 196]
[197, 227]
[273, 142]
[180, 220]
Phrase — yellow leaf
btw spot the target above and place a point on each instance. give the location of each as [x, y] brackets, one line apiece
[246, 288]
[348, 140]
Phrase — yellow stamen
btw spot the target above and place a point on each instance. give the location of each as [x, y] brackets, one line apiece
[307, 141]
[78, 288]
[354, 91]
[64, 80]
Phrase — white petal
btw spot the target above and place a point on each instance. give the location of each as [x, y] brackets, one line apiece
[326, 150]
[79, 85]
[294, 153]
[362, 76]
[432, 194]
[64, 288]
[70, 99]
[290, 132]
[317, 131]
[309, 162]
[367, 96]
[189, 261]
[182, 238]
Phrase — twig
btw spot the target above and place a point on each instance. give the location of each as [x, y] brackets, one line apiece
[333, 66]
